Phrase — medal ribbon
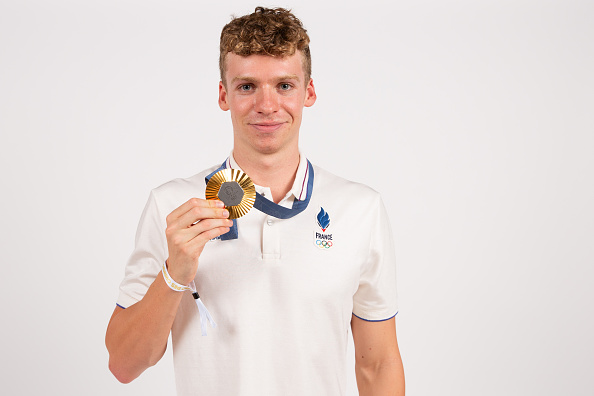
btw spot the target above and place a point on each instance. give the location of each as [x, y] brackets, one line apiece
[270, 208]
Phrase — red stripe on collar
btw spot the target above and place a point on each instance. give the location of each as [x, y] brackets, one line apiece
[303, 185]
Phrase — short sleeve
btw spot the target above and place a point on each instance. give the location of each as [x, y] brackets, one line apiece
[376, 297]
[150, 251]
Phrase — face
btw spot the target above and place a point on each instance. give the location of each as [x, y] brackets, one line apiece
[266, 96]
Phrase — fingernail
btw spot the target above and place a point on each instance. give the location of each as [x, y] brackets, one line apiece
[225, 213]
[219, 204]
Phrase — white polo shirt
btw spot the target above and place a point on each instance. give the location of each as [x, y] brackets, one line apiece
[282, 293]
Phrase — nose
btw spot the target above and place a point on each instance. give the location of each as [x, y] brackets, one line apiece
[266, 101]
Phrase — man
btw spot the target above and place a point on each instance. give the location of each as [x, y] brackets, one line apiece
[285, 281]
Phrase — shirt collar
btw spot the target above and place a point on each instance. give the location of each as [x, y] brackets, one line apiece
[299, 189]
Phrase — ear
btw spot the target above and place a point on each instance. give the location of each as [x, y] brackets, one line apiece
[310, 94]
[223, 104]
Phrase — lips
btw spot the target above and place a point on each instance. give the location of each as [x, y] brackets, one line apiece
[267, 126]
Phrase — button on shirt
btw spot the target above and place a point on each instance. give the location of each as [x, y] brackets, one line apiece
[271, 235]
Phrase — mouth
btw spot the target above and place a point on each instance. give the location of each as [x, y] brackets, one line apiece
[269, 126]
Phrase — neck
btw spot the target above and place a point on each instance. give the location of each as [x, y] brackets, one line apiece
[276, 171]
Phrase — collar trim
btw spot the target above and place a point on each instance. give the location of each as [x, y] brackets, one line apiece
[299, 188]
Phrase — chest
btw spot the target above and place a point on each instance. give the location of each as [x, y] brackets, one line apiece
[317, 255]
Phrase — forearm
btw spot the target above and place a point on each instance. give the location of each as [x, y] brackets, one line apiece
[136, 337]
[382, 379]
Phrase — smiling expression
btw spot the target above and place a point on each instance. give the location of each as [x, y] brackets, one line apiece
[266, 96]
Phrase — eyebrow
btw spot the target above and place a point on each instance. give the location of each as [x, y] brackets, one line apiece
[253, 80]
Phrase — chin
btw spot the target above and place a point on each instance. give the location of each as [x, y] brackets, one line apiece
[268, 146]
[268, 149]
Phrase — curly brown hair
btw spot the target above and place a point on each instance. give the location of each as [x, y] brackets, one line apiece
[267, 31]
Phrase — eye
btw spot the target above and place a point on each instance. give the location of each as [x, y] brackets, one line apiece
[285, 86]
[245, 87]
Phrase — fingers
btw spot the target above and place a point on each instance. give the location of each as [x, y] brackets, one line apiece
[189, 228]
[196, 218]
[193, 203]
[201, 239]
[198, 215]
[195, 210]
[203, 227]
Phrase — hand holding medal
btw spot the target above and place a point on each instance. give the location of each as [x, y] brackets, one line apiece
[237, 192]
[189, 228]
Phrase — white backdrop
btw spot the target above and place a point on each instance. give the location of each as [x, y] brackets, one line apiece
[474, 119]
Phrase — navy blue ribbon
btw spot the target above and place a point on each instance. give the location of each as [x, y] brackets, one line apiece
[270, 208]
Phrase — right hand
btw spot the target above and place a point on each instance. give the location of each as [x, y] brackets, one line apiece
[189, 227]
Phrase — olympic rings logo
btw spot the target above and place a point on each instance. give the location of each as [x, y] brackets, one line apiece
[324, 244]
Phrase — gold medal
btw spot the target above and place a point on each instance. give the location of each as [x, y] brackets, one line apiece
[235, 189]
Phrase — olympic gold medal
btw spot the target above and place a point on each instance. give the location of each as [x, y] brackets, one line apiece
[235, 189]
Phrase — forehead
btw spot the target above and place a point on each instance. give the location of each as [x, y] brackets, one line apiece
[263, 67]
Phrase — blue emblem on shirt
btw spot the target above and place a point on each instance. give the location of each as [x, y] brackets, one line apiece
[323, 220]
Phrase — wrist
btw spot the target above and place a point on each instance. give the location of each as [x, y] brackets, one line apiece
[179, 272]
[170, 281]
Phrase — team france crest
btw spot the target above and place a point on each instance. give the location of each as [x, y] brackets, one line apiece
[323, 239]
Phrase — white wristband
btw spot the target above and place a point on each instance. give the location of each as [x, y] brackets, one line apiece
[204, 314]
[173, 285]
